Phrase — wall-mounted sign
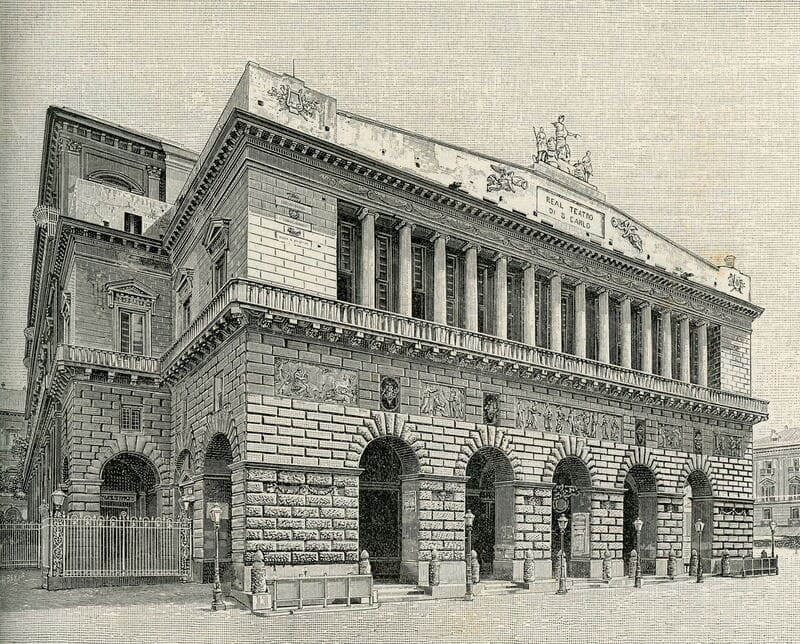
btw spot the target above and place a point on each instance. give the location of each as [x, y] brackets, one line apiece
[576, 215]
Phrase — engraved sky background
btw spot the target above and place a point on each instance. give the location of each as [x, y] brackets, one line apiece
[691, 111]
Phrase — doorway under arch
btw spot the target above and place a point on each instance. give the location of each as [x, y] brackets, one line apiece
[698, 504]
[129, 487]
[572, 497]
[385, 522]
[217, 491]
[641, 500]
[490, 497]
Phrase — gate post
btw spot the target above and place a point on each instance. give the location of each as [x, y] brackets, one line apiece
[44, 542]
[185, 550]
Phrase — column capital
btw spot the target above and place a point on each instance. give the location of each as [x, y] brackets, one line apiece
[472, 246]
[403, 223]
[499, 256]
[437, 236]
[526, 266]
[365, 212]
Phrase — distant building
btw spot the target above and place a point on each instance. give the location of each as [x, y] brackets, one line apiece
[13, 505]
[346, 335]
[776, 481]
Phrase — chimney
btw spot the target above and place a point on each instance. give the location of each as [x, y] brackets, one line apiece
[730, 261]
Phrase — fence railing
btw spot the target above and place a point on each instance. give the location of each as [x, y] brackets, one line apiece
[19, 545]
[91, 546]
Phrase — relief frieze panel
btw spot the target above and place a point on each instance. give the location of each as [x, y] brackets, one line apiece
[727, 445]
[441, 400]
[560, 419]
[670, 436]
[318, 383]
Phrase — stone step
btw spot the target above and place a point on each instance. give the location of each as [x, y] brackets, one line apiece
[399, 593]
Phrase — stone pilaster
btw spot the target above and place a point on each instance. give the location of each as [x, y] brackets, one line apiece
[603, 348]
[404, 269]
[529, 329]
[555, 312]
[702, 354]
[471, 287]
[501, 296]
[666, 344]
[367, 258]
[646, 317]
[625, 333]
[440, 279]
[580, 319]
[685, 350]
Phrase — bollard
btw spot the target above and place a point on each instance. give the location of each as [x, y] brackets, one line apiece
[258, 575]
[671, 564]
[607, 564]
[528, 568]
[693, 563]
[475, 566]
[434, 569]
[364, 567]
[725, 564]
[632, 559]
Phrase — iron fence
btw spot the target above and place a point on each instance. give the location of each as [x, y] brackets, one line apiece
[19, 545]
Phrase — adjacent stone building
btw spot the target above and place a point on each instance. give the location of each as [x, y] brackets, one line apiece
[347, 334]
[12, 428]
[776, 485]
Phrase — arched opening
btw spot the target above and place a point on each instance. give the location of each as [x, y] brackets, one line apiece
[698, 505]
[385, 522]
[572, 497]
[217, 491]
[490, 497]
[129, 487]
[640, 501]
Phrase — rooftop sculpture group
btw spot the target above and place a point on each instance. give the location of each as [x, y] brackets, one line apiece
[555, 150]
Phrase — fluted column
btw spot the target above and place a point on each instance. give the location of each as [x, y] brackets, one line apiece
[580, 320]
[646, 313]
[555, 312]
[625, 333]
[685, 374]
[702, 354]
[471, 287]
[405, 269]
[529, 320]
[666, 344]
[603, 350]
[501, 296]
[440, 279]
[367, 257]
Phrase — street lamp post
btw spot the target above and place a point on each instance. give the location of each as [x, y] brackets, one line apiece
[698, 526]
[216, 602]
[562, 558]
[637, 577]
[58, 501]
[772, 527]
[469, 518]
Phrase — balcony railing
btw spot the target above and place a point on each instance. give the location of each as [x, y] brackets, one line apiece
[277, 300]
[107, 359]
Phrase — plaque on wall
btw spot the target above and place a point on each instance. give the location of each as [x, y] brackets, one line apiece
[319, 383]
[441, 400]
[390, 394]
[581, 543]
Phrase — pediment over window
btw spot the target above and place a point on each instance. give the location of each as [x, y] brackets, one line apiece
[185, 280]
[216, 237]
[130, 292]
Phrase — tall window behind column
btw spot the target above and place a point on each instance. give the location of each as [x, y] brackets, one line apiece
[656, 340]
[636, 339]
[592, 315]
[567, 318]
[485, 297]
[675, 331]
[615, 330]
[515, 305]
[421, 286]
[454, 287]
[694, 353]
[542, 311]
[385, 268]
[346, 261]
[714, 367]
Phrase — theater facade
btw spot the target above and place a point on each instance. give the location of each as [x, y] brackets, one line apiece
[348, 334]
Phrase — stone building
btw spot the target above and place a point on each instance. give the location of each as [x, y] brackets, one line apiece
[347, 334]
[776, 485]
[12, 427]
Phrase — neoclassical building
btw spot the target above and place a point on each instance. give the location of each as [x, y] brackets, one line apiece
[348, 334]
[776, 483]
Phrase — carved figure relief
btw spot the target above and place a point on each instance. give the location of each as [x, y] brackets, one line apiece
[491, 408]
[390, 394]
[629, 231]
[736, 283]
[669, 437]
[504, 180]
[641, 432]
[727, 445]
[697, 442]
[441, 400]
[315, 382]
[559, 419]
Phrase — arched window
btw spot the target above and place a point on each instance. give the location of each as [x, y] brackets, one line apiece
[794, 488]
[767, 491]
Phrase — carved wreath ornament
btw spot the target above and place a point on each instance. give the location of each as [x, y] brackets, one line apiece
[294, 101]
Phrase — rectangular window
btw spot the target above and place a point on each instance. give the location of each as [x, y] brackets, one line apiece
[384, 271]
[713, 365]
[694, 352]
[636, 339]
[676, 348]
[131, 420]
[542, 311]
[767, 514]
[186, 312]
[515, 305]
[615, 331]
[592, 325]
[794, 513]
[656, 341]
[346, 261]
[219, 272]
[568, 318]
[420, 282]
[485, 298]
[131, 332]
[133, 223]
[453, 288]
[218, 389]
